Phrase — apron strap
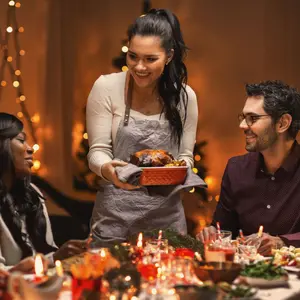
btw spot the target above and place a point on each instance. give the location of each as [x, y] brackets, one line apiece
[128, 99]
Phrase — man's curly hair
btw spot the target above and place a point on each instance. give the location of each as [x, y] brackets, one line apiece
[279, 99]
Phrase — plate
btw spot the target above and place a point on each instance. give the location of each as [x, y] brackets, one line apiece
[265, 283]
[291, 269]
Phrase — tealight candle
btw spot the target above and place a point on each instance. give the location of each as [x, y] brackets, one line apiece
[59, 269]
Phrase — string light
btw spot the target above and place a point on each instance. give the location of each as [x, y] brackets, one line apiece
[192, 190]
[124, 68]
[197, 157]
[195, 170]
[124, 49]
[16, 83]
[36, 164]
[85, 136]
[12, 62]
[35, 147]
[35, 118]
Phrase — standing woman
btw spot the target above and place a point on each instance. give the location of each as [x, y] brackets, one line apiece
[149, 106]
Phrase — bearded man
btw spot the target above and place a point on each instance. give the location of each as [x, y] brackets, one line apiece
[262, 187]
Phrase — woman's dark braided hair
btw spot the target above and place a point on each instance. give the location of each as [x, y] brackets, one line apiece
[171, 86]
[22, 199]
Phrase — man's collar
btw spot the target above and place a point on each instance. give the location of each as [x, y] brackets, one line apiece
[289, 165]
[291, 162]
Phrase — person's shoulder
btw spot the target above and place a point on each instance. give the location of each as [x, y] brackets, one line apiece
[111, 81]
[190, 93]
[38, 191]
[244, 160]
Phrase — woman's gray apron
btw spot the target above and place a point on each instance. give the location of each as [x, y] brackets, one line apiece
[121, 213]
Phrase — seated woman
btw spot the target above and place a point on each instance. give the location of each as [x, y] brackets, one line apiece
[24, 222]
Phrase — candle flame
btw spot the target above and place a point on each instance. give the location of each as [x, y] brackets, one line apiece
[59, 268]
[38, 266]
[102, 253]
[260, 231]
[140, 240]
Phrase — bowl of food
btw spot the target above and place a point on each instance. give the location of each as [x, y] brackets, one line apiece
[159, 167]
[217, 271]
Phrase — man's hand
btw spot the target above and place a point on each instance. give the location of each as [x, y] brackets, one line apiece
[207, 234]
[70, 248]
[269, 242]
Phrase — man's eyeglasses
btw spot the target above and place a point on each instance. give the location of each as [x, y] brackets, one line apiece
[250, 119]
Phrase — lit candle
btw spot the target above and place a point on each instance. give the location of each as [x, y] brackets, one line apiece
[140, 241]
[260, 231]
[242, 235]
[38, 268]
[59, 268]
[218, 231]
[102, 253]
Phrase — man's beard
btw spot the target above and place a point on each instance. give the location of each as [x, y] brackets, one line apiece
[262, 142]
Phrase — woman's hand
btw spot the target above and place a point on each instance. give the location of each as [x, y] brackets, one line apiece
[26, 265]
[70, 248]
[109, 173]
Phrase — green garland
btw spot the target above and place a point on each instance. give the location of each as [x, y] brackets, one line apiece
[176, 240]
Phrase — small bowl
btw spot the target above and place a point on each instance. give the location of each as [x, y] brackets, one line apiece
[217, 271]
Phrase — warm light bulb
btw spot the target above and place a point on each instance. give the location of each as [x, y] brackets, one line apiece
[20, 114]
[11, 3]
[22, 52]
[197, 157]
[195, 170]
[192, 190]
[124, 68]
[16, 83]
[35, 118]
[22, 98]
[217, 198]
[209, 180]
[21, 29]
[9, 29]
[124, 49]
[85, 136]
[3, 83]
[18, 72]
[35, 147]
[9, 58]
[18, 5]
[36, 164]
